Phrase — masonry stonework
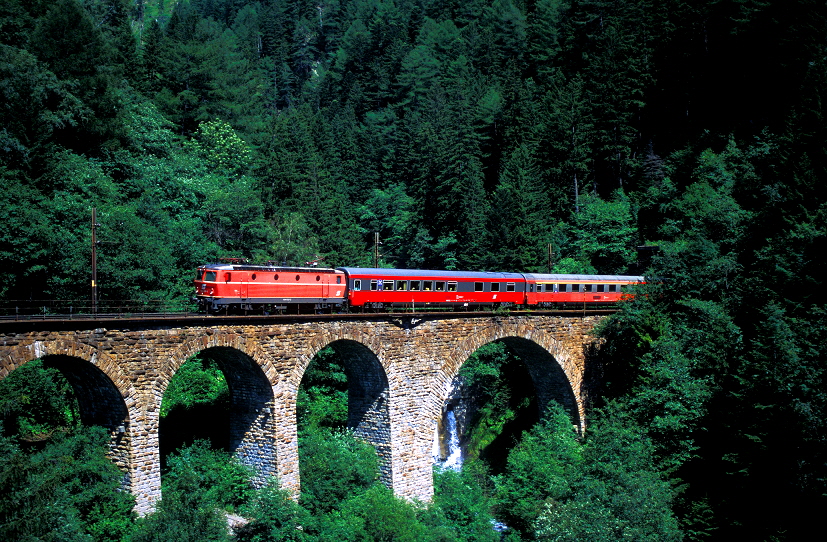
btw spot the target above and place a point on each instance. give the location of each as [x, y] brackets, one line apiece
[399, 369]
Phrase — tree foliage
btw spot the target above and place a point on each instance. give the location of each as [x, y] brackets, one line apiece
[470, 136]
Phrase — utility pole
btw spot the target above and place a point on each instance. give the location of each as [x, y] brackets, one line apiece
[376, 249]
[550, 256]
[94, 261]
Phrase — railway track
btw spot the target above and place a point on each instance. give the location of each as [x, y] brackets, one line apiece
[196, 317]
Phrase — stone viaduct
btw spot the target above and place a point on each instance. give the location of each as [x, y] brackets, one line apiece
[400, 369]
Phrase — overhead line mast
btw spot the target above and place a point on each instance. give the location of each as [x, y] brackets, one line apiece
[94, 261]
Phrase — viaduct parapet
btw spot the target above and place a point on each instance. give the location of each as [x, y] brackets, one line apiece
[400, 369]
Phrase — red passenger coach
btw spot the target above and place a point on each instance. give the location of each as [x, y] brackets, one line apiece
[228, 287]
[377, 288]
[579, 290]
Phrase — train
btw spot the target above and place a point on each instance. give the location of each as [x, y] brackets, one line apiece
[237, 287]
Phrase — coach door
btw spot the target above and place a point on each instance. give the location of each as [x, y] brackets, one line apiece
[325, 286]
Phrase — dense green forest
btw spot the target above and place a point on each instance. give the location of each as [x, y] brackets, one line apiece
[470, 135]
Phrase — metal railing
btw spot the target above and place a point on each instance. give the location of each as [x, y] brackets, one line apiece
[63, 309]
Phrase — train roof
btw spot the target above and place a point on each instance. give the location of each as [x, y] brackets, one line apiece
[268, 268]
[430, 273]
[547, 277]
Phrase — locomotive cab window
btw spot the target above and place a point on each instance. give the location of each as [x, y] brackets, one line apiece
[495, 286]
[415, 284]
[478, 287]
[210, 276]
[452, 286]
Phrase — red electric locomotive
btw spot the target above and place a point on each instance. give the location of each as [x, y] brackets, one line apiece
[240, 287]
[415, 288]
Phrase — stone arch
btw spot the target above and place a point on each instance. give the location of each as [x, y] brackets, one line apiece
[555, 371]
[251, 376]
[360, 335]
[216, 339]
[61, 347]
[105, 394]
[368, 388]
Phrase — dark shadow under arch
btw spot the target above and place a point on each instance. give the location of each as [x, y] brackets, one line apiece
[550, 381]
[368, 395]
[246, 428]
[99, 403]
[489, 412]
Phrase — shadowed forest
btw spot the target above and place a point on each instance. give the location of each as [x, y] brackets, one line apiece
[469, 135]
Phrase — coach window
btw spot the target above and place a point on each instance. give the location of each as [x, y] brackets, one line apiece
[439, 286]
[373, 286]
[210, 277]
[357, 284]
[427, 285]
[495, 286]
[415, 285]
[478, 287]
[588, 287]
[576, 287]
[509, 286]
[401, 285]
[452, 286]
[601, 287]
